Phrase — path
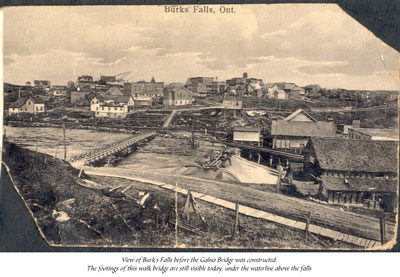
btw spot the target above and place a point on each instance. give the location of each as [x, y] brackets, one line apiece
[246, 210]
[169, 119]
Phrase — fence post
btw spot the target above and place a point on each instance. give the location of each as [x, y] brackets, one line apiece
[278, 182]
[236, 222]
[308, 220]
[186, 208]
[382, 229]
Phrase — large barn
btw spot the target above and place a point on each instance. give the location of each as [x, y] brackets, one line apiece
[354, 171]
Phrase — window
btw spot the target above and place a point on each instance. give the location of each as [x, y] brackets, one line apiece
[37, 109]
[29, 103]
[120, 109]
[102, 108]
[97, 108]
[115, 108]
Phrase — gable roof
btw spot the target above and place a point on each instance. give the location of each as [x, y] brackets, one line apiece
[170, 88]
[296, 113]
[255, 86]
[298, 88]
[246, 129]
[280, 91]
[355, 155]
[59, 87]
[303, 128]
[359, 184]
[21, 101]
[284, 85]
[115, 98]
[269, 85]
[114, 91]
[379, 134]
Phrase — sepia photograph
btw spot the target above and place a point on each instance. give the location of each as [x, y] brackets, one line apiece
[201, 127]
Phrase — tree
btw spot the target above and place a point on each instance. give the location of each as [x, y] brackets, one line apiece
[245, 75]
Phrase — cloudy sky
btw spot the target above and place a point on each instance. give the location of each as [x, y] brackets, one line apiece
[305, 44]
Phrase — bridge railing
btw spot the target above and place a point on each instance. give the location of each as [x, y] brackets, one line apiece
[110, 148]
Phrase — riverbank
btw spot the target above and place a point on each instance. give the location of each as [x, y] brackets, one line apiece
[113, 212]
[294, 208]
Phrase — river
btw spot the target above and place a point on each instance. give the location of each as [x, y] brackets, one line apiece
[162, 154]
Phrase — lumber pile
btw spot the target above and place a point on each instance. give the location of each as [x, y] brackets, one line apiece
[217, 161]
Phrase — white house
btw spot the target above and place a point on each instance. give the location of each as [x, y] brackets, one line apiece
[111, 108]
[27, 105]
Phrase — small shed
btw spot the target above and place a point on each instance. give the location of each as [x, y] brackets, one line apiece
[248, 135]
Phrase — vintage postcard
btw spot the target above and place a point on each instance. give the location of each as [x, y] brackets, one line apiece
[201, 126]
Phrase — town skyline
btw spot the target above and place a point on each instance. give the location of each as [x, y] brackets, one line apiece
[278, 43]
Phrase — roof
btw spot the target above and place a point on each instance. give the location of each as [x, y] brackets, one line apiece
[298, 88]
[174, 88]
[269, 85]
[142, 99]
[247, 129]
[355, 155]
[59, 87]
[284, 85]
[114, 91]
[303, 128]
[21, 101]
[296, 113]
[359, 184]
[255, 85]
[379, 134]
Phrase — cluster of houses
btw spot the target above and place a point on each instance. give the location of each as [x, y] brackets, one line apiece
[109, 90]
[357, 166]
[360, 168]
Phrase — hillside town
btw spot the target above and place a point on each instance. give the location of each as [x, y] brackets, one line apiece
[331, 147]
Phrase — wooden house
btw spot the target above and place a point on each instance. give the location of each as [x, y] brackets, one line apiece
[59, 91]
[27, 105]
[177, 96]
[113, 107]
[293, 132]
[248, 135]
[354, 171]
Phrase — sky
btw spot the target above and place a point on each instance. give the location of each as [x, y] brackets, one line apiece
[300, 43]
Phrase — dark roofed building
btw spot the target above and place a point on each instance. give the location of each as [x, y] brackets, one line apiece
[27, 104]
[42, 83]
[293, 135]
[362, 172]
[359, 184]
[364, 157]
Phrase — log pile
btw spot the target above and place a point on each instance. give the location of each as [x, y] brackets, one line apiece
[217, 161]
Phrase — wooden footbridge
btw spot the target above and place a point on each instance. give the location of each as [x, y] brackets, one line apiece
[273, 152]
[111, 149]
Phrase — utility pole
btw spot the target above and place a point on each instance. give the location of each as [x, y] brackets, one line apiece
[356, 100]
[65, 146]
